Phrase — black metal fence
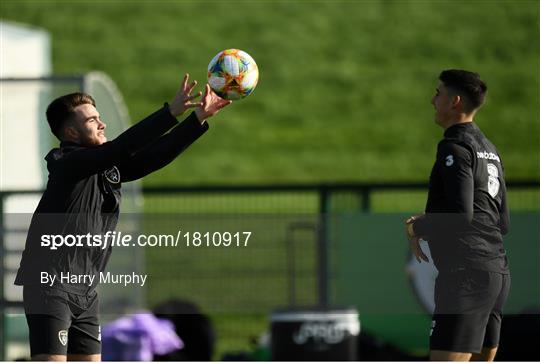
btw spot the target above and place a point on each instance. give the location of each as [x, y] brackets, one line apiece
[290, 264]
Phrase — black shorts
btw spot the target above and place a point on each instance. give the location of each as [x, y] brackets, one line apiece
[60, 322]
[468, 310]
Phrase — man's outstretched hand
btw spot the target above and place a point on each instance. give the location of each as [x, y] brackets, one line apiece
[210, 105]
[182, 100]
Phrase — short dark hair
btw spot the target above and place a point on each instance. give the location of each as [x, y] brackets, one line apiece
[63, 108]
[466, 84]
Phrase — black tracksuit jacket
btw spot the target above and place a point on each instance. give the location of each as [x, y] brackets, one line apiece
[84, 191]
[466, 212]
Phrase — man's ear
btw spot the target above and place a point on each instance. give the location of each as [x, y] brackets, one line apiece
[70, 133]
[457, 101]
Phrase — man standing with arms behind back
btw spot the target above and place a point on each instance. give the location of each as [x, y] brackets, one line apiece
[466, 217]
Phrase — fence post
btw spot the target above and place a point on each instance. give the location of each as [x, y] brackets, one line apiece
[366, 199]
[322, 250]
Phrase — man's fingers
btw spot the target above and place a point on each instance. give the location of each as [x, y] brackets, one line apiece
[419, 253]
[223, 103]
[184, 82]
[192, 86]
[417, 250]
[194, 96]
[422, 255]
[411, 219]
[193, 104]
[220, 104]
[418, 256]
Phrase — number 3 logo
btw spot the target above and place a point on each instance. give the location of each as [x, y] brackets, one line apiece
[493, 180]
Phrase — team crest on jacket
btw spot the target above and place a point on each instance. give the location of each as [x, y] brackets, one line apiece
[493, 180]
[112, 175]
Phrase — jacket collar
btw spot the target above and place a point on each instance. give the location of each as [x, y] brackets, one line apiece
[459, 128]
[64, 144]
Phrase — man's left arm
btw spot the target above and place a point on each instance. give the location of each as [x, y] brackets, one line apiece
[504, 222]
[168, 147]
[164, 150]
[455, 165]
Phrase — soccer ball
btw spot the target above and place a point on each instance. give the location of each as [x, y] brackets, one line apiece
[233, 74]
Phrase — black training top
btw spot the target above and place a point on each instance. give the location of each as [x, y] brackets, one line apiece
[83, 195]
[466, 212]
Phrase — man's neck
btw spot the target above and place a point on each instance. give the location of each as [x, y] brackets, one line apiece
[69, 141]
[460, 119]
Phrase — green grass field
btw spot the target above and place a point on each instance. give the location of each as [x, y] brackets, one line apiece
[345, 86]
[343, 96]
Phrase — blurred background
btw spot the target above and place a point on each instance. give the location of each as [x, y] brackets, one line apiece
[322, 162]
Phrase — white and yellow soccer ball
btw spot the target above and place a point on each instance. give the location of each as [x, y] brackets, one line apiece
[233, 74]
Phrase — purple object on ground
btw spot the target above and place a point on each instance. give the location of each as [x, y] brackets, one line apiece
[138, 337]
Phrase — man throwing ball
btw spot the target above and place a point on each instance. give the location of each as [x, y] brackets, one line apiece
[466, 217]
[83, 197]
